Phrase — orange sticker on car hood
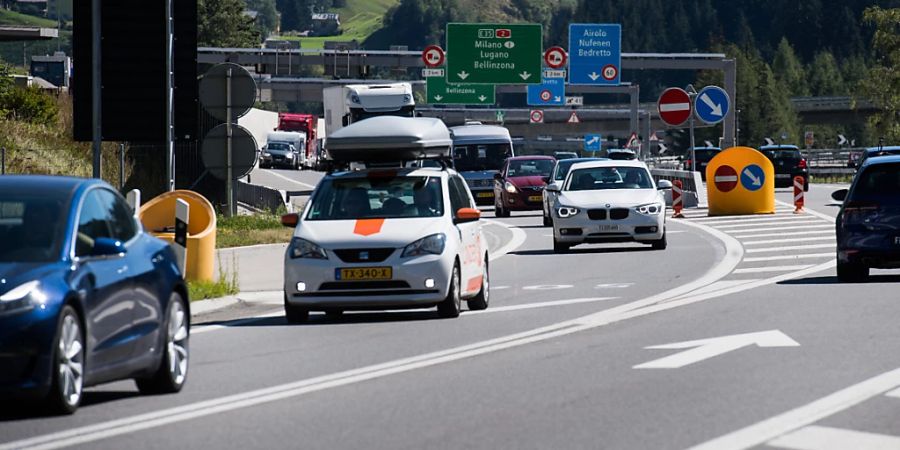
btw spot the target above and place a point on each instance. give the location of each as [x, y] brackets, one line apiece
[368, 227]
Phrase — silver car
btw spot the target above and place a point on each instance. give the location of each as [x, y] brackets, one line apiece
[609, 201]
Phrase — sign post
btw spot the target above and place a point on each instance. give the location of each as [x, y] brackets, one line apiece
[595, 54]
[483, 53]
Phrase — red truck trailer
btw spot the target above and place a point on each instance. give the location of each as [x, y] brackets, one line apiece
[304, 123]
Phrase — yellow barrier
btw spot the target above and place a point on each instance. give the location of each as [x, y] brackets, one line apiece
[740, 180]
[158, 218]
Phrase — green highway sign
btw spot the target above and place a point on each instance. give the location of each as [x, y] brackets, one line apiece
[490, 53]
[438, 92]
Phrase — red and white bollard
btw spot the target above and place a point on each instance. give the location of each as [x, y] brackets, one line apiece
[798, 195]
[677, 204]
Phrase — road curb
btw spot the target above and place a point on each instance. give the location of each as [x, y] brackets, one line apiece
[212, 304]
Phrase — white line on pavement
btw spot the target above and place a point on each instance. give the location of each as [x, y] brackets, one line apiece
[750, 219]
[539, 305]
[773, 427]
[829, 231]
[828, 438]
[771, 269]
[809, 212]
[299, 183]
[790, 240]
[788, 257]
[806, 220]
[547, 287]
[517, 240]
[741, 233]
[791, 247]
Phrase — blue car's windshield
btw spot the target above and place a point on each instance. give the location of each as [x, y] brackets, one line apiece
[31, 227]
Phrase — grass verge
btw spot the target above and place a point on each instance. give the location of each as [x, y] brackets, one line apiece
[253, 229]
[226, 284]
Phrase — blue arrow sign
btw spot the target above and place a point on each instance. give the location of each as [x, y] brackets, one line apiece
[551, 92]
[753, 178]
[595, 54]
[592, 142]
[712, 104]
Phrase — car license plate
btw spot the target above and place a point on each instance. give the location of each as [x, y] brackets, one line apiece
[782, 175]
[606, 228]
[363, 273]
[535, 198]
[485, 194]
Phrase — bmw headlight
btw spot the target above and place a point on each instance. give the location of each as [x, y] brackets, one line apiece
[289, 156]
[428, 245]
[566, 211]
[23, 296]
[650, 208]
[511, 188]
[301, 248]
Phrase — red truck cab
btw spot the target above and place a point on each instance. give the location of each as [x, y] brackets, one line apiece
[304, 123]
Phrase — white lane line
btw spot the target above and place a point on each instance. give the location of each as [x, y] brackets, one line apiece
[103, 430]
[827, 438]
[771, 269]
[233, 323]
[788, 257]
[741, 233]
[790, 247]
[299, 183]
[776, 426]
[716, 221]
[718, 285]
[499, 288]
[573, 301]
[806, 220]
[517, 240]
[829, 231]
[790, 240]
[809, 212]
[547, 287]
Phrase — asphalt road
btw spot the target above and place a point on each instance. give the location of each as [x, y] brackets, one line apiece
[736, 336]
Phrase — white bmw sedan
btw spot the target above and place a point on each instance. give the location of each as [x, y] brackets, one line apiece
[386, 238]
[609, 201]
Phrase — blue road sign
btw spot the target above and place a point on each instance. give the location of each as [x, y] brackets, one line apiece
[593, 142]
[712, 104]
[753, 178]
[595, 54]
[551, 92]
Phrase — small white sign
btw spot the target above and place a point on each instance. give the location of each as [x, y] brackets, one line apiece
[427, 73]
[550, 73]
[575, 101]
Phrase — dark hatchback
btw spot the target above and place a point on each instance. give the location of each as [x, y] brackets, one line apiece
[789, 163]
[704, 156]
[86, 297]
[868, 225]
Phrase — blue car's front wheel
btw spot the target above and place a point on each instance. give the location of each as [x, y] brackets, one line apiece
[68, 363]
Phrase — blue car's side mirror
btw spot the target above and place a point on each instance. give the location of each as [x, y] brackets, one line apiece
[107, 247]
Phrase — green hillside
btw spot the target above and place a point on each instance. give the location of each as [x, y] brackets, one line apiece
[15, 18]
[359, 19]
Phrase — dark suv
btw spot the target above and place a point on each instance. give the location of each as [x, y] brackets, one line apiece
[704, 156]
[868, 225]
[788, 162]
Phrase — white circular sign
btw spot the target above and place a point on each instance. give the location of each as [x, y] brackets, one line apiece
[537, 116]
[610, 72]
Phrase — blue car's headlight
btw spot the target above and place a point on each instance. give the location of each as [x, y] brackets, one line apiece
[22, 297]
[301, 248]
[428, 245]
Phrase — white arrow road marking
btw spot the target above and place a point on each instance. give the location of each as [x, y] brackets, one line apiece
[525, 75]
[827, 438]
[673, 107]
[756, 180]
[709, 348]
[716, 108]
[593, 76]
[463, 75]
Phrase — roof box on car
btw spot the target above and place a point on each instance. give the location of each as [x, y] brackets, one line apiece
[390, 138]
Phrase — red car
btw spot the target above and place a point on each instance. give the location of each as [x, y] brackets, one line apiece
[520, 184]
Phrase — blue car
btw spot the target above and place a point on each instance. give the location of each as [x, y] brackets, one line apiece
[86, 297]
[868, 225]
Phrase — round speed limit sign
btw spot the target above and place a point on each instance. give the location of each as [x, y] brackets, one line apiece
[610, 72]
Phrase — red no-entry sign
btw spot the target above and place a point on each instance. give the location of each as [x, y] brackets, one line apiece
[674, 106]
[726, 178]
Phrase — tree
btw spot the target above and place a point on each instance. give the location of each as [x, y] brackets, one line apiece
[789, 70]
[267, 15]
[222, 23]
[824, 76]
[882, 84]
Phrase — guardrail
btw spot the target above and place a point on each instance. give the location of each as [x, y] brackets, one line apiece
[694, 191]
[261, 197]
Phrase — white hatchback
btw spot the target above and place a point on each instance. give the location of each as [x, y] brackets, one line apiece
[609, 201]
[386, 238]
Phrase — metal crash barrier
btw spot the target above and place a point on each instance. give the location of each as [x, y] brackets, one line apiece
[693, 189]
[158, 218]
